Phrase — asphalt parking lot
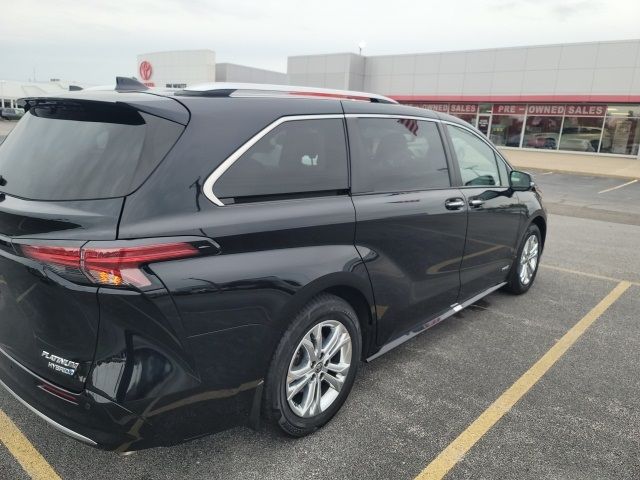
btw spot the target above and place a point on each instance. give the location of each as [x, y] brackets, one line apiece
[579, 420]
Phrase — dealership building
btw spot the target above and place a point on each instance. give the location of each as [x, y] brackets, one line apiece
[581, 97]
[177, 69]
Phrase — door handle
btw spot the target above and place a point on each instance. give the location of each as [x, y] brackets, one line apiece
[454, 203]
[476, 202]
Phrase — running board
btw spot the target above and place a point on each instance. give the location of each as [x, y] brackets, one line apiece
[455, 308]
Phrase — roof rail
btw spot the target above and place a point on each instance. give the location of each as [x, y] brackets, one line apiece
[224, 89]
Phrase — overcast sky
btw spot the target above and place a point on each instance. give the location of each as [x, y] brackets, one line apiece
[92, 41]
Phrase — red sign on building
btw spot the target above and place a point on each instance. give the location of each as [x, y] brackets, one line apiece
[146, 70]
[545, 109]
[436, 107]
[508, 109]
[459, 108]
[582, 110]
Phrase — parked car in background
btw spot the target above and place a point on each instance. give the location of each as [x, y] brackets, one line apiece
[173, 264]
[12, 113]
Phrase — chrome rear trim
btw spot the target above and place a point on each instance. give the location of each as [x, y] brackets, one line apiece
[51, 422]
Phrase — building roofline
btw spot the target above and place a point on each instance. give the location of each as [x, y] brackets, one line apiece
[514, 47]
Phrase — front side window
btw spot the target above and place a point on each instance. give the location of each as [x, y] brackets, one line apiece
[397, 154]
[297, 157]
[476, 160]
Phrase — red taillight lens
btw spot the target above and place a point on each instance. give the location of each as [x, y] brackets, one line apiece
[111, 266]
[118, 266]
[61, 256]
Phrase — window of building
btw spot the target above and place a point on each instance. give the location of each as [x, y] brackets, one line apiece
[394, 155]
[470, 118]
[582, 134]
[506, 130]
[297, 157]
[542, 132]
[622, 135]
[476, 159]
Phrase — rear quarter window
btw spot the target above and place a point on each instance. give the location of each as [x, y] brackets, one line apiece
[299, 157]
[83, 150]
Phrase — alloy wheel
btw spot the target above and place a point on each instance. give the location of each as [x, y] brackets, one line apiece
[528, 260]
[318, 369]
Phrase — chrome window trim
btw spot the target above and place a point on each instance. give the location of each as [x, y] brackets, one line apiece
[487, 142]
[211, 180]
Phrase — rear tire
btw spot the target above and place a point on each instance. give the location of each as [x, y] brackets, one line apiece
[525, 266]
[309, 380]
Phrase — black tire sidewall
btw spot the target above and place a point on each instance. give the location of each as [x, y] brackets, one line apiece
[326, 307]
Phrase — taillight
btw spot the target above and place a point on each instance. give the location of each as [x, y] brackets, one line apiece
[116, 267]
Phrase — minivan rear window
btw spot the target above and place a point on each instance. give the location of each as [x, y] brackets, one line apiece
[79, 150]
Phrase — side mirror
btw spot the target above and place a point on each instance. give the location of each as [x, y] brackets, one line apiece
[520, 181]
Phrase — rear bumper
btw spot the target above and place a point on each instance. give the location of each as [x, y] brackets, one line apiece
[86, 417]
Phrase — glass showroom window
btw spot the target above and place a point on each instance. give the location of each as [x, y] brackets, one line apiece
[622, 126]
[506, 130]
[622, 134]
[542, 132]
[470, 118]
[582, 134]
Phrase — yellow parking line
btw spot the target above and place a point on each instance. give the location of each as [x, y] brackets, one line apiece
[456, 450]
[587, 274]
[619, 186]
[32, 462]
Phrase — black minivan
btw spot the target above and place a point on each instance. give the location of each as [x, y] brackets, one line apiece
[177, 263]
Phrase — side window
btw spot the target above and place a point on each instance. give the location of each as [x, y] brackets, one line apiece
[297, 157]
[477, 160]
[396, 154]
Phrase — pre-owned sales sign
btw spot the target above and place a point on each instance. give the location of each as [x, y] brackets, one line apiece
[577, 110]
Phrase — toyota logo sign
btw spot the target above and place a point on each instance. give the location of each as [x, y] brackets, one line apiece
[145, 70]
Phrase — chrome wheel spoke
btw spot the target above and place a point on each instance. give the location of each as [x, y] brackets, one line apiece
[317, 340]
[308, 399]
[343, 340]
[334, 382]
[341, 367]
[309, 349]
[316, 406]
[296, 386]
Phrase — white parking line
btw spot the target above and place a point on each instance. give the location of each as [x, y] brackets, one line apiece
[619, 186]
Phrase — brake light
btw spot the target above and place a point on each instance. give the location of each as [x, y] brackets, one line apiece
[111, 266]
[62, 256]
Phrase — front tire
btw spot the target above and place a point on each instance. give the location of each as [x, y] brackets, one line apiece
[525, 267]
[314, 366]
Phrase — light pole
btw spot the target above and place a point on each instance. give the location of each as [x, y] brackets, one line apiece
[361, 46]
